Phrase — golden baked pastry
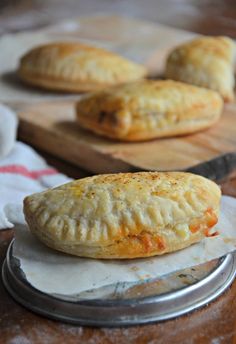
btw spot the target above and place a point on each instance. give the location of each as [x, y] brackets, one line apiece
[125, 215]
[76, 67]
[206, 62]
[149, 109]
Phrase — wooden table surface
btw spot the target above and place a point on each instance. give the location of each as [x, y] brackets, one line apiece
[215, 323]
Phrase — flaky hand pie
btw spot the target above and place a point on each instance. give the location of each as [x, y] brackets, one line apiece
[125, 215]
[149, 109]
[206, 62]
[76, 67]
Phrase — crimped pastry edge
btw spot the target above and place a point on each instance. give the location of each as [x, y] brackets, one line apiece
[119, 250]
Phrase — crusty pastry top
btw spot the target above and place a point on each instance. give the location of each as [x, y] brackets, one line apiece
[147, 109]
[206, 62]
[105, 209]
[77, 64]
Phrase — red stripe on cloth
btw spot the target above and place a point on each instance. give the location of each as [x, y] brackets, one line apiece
[23, 171]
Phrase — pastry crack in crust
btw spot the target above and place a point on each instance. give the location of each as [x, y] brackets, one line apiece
[125, 215]
[149, 109]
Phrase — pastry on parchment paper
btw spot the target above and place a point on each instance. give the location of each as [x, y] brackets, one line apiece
[125, 215]
[206, 62]
[76, 67]
[149, 109]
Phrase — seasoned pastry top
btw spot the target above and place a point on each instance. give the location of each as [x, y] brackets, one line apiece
[75, 61]
[147, 104]
[101, 209]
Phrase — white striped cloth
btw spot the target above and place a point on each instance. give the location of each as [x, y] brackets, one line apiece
[22, 173]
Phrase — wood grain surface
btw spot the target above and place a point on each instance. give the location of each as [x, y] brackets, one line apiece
[215, 323]
[52, 127]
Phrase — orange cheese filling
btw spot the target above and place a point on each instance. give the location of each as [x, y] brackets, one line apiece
[150, 243]
[205, 224]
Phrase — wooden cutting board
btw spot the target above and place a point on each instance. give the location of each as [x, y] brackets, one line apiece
[51, 125]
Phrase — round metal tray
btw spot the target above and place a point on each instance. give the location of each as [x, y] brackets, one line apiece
[154, 300]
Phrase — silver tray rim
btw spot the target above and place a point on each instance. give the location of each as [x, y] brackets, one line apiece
[125, 312]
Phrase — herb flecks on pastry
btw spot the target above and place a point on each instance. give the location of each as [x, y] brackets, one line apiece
[206, 62]
[76, 67]
[149, 109]
[125, 215]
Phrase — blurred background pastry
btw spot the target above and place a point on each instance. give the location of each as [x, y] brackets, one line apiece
[76, 67]
[207, 62]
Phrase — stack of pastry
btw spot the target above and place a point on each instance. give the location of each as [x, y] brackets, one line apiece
[135, 109]
[140, 214]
